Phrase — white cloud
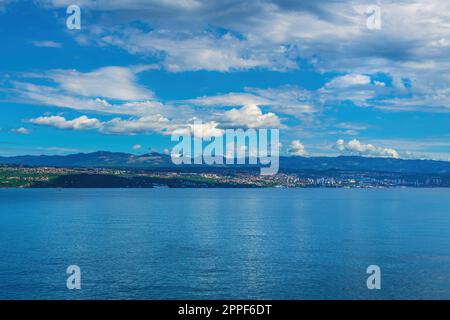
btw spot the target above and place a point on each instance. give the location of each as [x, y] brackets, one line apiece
[137, 147]
[80, 123]
[331, 35]
[297, 148]
[410, 55]
[410, 51]
[287, 100]
[349, 80]
[356, 147]
[340, 145]
[90, 90]
[119, 126]
[263, 34]
[46, 95]
[153, 123]
[251, 116]
[109, 82]
[200, 129]
[21, 130]
[190, 51]
[47, 44]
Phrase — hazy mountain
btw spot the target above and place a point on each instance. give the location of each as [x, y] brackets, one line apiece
[357, 163]
[95, 159]
[156, 160]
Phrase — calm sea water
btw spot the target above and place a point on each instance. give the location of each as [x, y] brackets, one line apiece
[225, 243]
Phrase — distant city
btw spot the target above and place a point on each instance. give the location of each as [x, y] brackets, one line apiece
[121, 170]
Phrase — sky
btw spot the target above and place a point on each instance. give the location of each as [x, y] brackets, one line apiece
[333, 76]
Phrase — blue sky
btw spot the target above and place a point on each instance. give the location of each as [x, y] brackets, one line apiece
[137, 70]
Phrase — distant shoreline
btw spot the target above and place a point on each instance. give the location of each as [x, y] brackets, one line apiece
[58, 177]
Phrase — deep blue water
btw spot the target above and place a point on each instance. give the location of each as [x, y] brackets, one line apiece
[225, 243]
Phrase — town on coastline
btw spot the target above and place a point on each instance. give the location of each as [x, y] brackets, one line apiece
[16, 176]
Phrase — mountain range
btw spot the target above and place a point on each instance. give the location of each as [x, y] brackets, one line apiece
[154, 160]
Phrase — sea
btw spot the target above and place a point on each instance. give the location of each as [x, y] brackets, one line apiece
[225, 243]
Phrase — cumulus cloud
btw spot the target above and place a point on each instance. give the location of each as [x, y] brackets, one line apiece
[200, 130]
[79, 96]
[136, 147]
[119, 126]
[356, 147]
[251, 116]
[80, 123]
[297, 148]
